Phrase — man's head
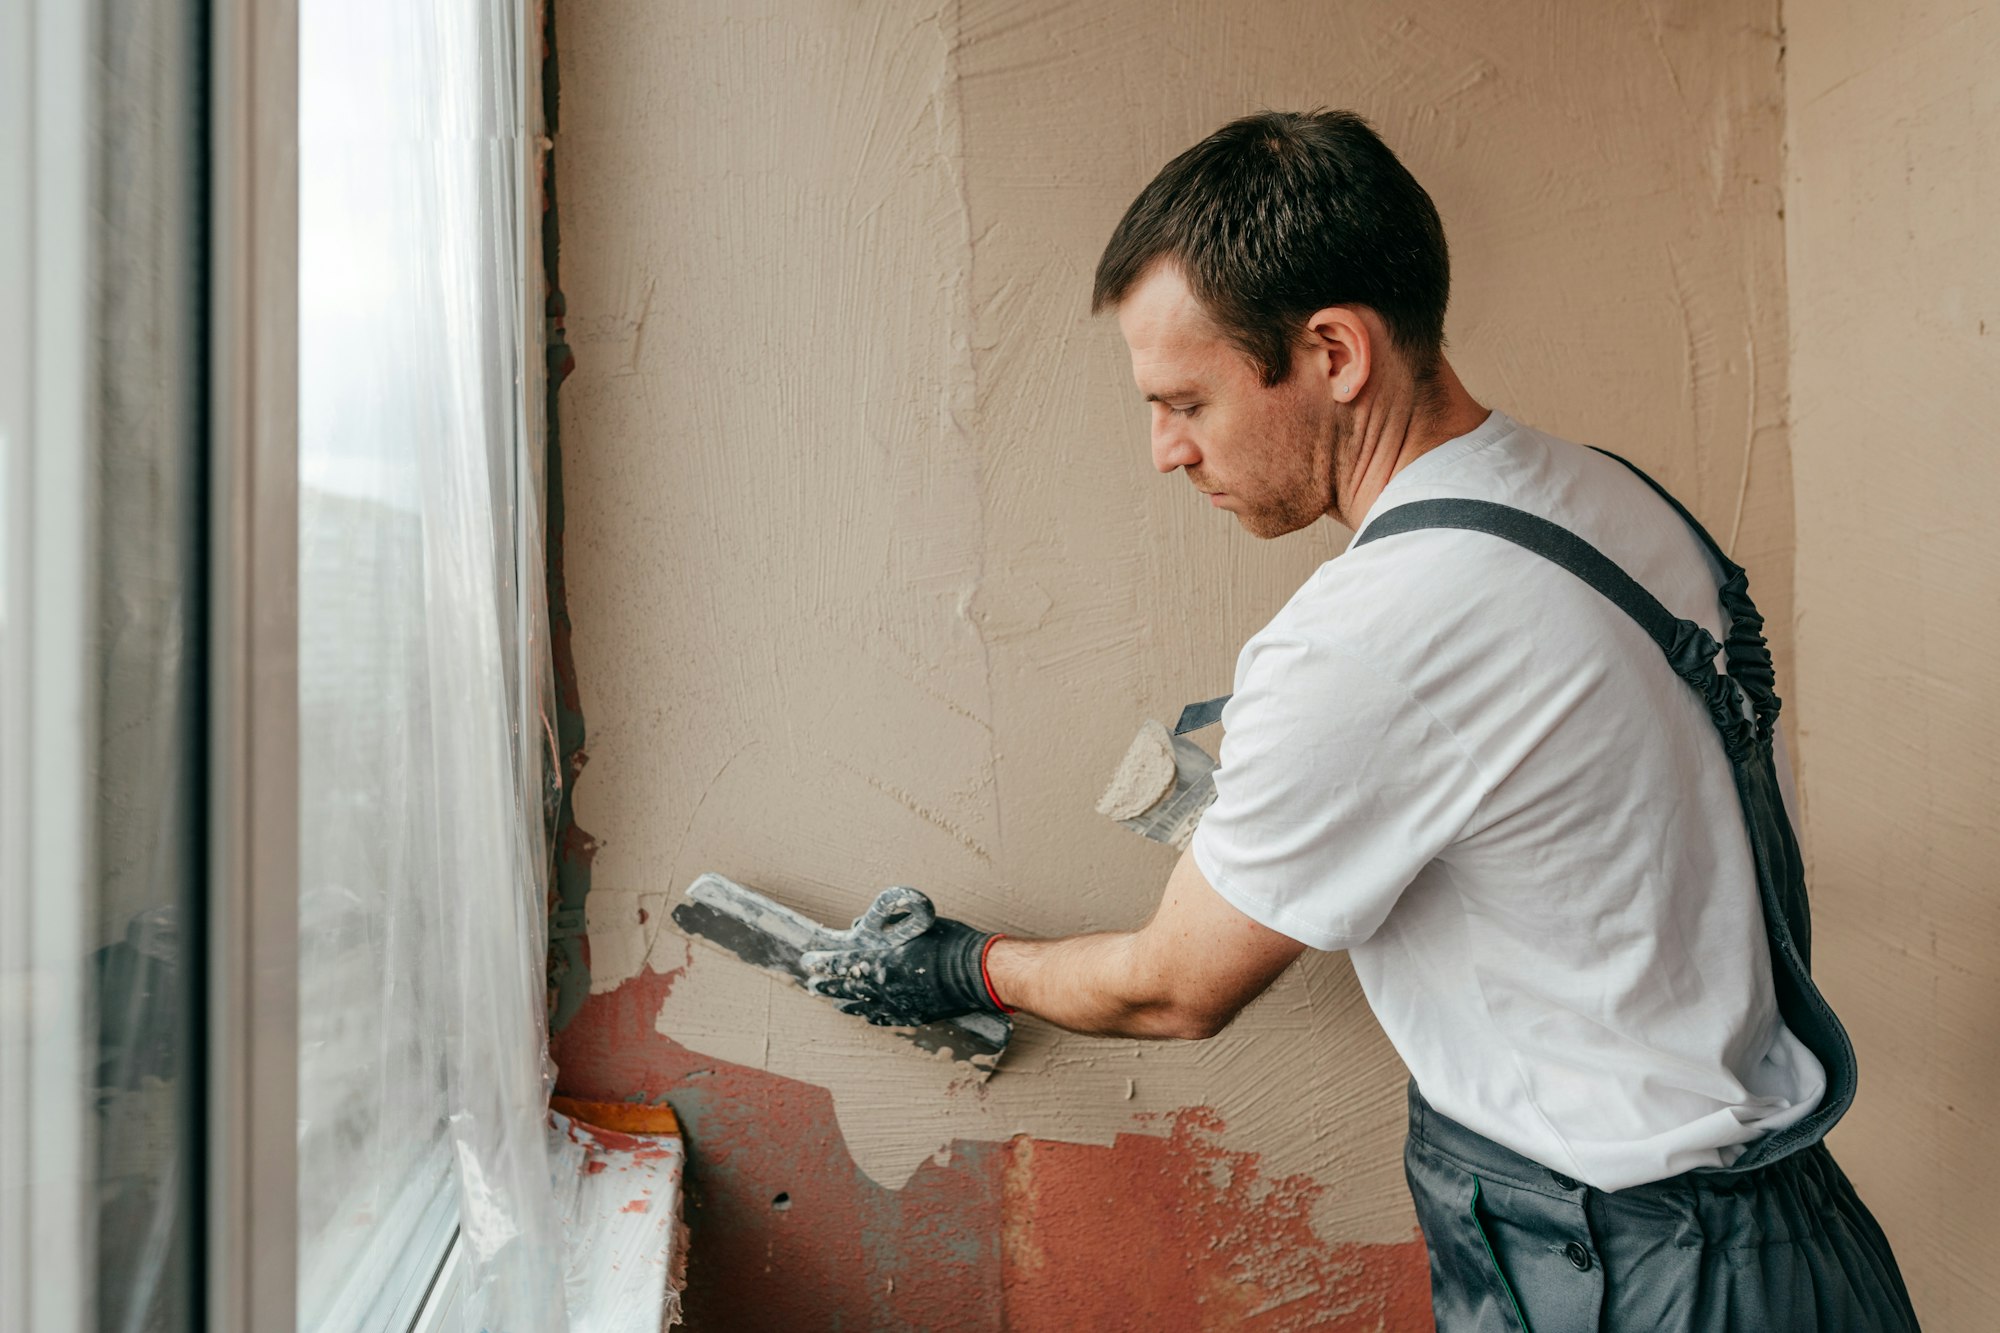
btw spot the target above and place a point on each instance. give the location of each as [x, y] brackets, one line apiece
[1259, 280]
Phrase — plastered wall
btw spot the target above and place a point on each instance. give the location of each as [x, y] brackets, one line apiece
[1894, 115]
[872, 582]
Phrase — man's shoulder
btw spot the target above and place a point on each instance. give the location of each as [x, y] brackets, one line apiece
[1519, 466]
[1445, 598]
[1580, 489]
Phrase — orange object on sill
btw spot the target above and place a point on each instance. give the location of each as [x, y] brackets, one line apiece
[625, 1117]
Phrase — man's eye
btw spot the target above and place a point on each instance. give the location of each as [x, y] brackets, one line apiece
[1187, 411]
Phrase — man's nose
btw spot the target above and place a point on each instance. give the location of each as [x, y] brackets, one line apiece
[1172, 448]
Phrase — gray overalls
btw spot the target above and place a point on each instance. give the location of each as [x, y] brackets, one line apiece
[1778, 1240]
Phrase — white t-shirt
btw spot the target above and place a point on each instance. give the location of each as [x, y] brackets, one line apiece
[1466, 767]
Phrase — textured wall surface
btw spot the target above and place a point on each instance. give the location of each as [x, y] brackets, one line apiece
[1894, 115]
[872, 582]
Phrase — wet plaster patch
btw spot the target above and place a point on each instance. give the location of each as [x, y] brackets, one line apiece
[1307, 1104]
[625, 934]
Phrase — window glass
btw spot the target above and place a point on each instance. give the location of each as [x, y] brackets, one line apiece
[148, 654]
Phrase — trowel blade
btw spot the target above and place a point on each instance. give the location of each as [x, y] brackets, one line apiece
[769, 935]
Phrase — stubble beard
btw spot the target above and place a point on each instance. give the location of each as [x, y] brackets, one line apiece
[1304, 491]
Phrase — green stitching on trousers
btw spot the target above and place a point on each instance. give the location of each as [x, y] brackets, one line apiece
[1473, 1213]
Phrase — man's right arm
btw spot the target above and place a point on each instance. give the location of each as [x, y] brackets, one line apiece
[1184, 974]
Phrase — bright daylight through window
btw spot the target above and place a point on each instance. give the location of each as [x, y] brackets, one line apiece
[416, 823]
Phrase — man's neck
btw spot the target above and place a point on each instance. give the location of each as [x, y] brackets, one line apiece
[1398, 423]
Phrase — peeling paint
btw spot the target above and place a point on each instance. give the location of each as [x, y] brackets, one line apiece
[851, 1253]
[1338, 1113]
[1179, 1232]
[1164, 1229]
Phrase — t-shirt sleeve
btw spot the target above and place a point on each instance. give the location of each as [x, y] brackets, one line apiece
[1335, 787]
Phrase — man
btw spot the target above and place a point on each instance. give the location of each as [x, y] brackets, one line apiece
[1514, 751]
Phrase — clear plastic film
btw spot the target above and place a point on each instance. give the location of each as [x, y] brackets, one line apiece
[423, 675]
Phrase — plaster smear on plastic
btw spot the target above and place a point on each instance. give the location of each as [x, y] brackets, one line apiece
[871, 575]
[1895, 279]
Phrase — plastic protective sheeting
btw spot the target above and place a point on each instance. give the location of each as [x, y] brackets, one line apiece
[423, 675]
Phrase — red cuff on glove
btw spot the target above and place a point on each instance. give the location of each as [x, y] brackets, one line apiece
[987, 977]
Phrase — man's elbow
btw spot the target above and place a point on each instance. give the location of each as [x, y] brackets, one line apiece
[1185, 1021]
[1174, 1003]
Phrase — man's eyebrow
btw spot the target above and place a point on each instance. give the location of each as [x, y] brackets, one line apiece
[1169, 395]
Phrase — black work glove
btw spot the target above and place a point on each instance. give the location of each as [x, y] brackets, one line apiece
[909, 967]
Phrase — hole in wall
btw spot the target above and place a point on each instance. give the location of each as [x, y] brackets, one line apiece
[781, 1201]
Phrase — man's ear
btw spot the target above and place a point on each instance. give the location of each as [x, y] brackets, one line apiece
[1342, 338]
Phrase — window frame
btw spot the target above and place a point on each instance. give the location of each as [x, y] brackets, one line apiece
[241, 1170]
[47, 575]
[252, 1083]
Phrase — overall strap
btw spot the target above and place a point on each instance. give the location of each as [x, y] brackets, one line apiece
[1743, 646]
[1690, 650]
[1729, 567]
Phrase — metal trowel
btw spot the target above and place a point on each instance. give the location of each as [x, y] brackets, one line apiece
[773, 936]
[1166, 782]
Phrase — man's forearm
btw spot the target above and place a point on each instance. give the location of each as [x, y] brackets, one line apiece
[1185, 974]
[1097, 984]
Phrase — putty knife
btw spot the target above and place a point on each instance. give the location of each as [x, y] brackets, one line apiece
[773, 936]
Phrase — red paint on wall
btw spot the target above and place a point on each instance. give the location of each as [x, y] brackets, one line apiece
[1181, 1233]
[1153, 1233]
[843, 1253]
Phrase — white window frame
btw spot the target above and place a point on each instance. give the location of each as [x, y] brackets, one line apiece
[48, 568]
[47, 576]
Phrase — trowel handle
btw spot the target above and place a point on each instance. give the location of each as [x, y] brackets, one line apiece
[896, 916]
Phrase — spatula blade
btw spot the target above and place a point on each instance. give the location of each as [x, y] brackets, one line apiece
[767, 934]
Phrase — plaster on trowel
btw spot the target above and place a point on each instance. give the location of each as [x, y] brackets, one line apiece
[773, 936]
[1165, 782]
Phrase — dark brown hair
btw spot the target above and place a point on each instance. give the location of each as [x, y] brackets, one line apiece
[1283, 213]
